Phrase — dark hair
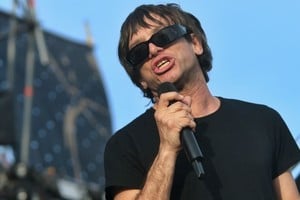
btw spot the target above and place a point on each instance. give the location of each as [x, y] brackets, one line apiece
[173, 14]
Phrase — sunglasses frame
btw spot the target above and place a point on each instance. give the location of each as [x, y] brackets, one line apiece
[161, 38]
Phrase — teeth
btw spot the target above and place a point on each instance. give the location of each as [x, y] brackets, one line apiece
[162, 63]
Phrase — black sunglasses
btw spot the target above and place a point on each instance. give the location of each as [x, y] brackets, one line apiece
[139, 53]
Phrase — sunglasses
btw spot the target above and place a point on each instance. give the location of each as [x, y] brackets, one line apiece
[139, 53]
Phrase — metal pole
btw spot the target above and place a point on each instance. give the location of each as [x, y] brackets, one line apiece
[28, 96]
[11, 48]
[35, 39]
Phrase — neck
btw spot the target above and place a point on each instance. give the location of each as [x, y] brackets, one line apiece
[203, 103]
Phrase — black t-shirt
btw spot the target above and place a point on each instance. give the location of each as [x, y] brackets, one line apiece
[245, 146]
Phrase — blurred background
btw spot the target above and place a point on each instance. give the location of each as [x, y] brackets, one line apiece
[63, 92]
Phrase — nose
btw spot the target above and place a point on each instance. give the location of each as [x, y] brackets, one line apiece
[154, 50]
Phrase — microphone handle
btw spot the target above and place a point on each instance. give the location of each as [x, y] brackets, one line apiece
[192, 150]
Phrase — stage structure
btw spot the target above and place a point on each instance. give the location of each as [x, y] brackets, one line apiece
[53, 107]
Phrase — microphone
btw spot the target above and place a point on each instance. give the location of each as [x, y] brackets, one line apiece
[187, 136]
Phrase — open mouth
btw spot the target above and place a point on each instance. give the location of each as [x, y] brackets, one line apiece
[163, 65]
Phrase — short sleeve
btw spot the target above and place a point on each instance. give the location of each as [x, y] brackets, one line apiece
[287, 152]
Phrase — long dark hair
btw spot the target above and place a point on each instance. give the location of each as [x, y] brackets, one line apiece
[173, 14]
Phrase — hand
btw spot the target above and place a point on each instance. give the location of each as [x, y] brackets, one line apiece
[171, 118]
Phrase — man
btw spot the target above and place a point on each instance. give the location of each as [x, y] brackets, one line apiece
[247, 148]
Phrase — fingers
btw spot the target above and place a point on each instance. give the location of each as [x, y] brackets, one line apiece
[172, 118]
[169, 98]
[172, 114]
[174, 110]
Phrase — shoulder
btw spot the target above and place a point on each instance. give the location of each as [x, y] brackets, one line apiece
[246, 106]
[256, 113]
[135, 128]
[141, 122]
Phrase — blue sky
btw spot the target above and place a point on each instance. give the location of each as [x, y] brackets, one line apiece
[255, 45]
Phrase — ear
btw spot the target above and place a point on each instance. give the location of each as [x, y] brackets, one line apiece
[144, 85]
[197, 45]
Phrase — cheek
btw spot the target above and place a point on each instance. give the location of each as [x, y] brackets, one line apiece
[145, 73]
[188, 55]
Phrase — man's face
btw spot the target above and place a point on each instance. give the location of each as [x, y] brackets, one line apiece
[163, 63]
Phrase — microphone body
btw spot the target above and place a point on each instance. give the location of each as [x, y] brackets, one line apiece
[187, 137]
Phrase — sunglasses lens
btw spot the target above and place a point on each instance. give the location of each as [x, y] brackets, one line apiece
[165, 37]
[162, 38]
[138, 54]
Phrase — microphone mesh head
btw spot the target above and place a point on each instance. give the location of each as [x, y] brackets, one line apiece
[166, 87]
